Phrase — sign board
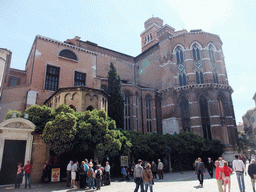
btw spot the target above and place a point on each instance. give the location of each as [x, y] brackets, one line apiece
[124, 161]
[55, 174]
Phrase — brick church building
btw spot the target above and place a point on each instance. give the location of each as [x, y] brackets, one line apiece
[178, 83]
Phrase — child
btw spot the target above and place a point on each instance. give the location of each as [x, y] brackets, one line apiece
[227, 171]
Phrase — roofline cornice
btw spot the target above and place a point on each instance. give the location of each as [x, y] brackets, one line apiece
[201, 32]
[65, 44]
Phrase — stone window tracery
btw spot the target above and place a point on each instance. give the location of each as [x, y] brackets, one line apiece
[196, 52]
[199, 77]
[215, 77]
[211, 53]
[179, 55]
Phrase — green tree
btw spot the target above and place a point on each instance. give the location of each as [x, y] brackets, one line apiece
[96, 131]
[116, 99]
[59, 133]
[244, 142]
[10, 112]
[39, 115]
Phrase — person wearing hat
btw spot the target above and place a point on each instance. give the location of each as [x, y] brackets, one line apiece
[138, 176]
[160, 169]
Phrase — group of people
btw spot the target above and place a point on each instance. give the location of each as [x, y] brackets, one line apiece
[144, 174]
[89, 174]
[223, 172]
[20, 173]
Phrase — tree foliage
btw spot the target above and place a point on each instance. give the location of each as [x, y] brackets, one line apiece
[10, 112]
[184, 148]
[116, 99]
[244, 142]
[39, 115]
[60, 132]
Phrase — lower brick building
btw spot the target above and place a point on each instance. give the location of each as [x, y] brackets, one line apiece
[178, 83]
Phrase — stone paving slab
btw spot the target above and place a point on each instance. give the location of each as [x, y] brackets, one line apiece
[172, 182]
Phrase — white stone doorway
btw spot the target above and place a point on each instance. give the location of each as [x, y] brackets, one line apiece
[15, 147]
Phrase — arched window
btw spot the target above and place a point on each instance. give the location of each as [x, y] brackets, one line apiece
[196, 52]
[215, 77]
[211, 53]
[222, 108]
[179, 55]
[136, 112]
[89, 108]
[205, 118]
[148, 113]
[72, 107]
[127, 113]
[182, 79]
[199, 77]
[185, 116]
[68, 54]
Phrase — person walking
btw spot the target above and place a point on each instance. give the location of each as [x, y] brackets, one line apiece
[69, 168]
[252, 173]
[28, 168]
[239, 168]
[138, 176]
[227, 171]
[200, 171]
[218, 175]
[148, 178]
[210, 166]
[160, 169]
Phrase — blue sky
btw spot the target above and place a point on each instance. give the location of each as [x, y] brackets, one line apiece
[117, 24]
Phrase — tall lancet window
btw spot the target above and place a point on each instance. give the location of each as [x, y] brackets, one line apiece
[205, 118]
[185, 116]
[179, 55]
[196, 52]
[211, 53]
[148, 113]
[127, 112]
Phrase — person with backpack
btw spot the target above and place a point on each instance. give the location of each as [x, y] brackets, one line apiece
[148, 178]
[98, 174]
[90, 175]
